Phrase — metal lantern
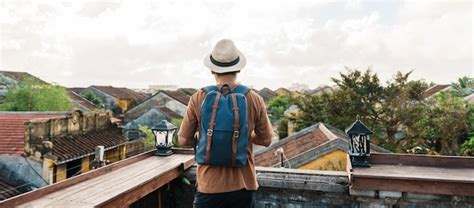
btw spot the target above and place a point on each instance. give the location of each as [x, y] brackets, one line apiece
[164, 137]
[359, 143]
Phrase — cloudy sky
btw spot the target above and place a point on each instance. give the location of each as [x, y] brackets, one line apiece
[135, 43]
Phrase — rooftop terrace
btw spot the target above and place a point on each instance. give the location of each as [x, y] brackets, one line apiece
[391, 181]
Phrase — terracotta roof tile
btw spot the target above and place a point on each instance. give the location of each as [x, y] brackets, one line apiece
[71, 147]
[12, 130]
[121, 92]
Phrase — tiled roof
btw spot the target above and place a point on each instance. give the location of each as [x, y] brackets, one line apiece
[301, 142]
[121, 92]
[83, 102]
[12, 130]
[77, 90]
[72, 147]
[178, 96]
[267, 94]
[168, 112]
[7, 190]
[433, 90]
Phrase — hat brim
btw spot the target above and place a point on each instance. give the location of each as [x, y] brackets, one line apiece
[219, 69]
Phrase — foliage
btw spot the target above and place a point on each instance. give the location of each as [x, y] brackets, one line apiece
[149, 137]
[177, 122]
[463, 87]
[282, 129]
[277, 106]
[401, 119]
[91, 97]
[468, 147]
[30, 95]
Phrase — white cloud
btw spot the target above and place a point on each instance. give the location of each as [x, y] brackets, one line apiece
[135, 44]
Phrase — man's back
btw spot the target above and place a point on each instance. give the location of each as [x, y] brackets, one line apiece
[215, 179]
[219, 186]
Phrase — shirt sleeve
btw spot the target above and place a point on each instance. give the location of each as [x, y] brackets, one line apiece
[263, 128]
[190, 122]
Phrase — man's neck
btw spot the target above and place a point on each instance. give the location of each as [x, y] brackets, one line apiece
[231, 81]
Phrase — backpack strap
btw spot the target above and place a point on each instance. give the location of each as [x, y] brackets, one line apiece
[211, 127]
[210, 88]
[235, 135]
[241, 89]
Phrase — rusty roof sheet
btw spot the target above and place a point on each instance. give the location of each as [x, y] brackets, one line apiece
[12, 130]
[85, 103]
[433, 90]
[7, 190]
[72, 147]
[178, 96]
[121, 92]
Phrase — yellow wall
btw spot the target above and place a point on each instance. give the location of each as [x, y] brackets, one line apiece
[335, 161]
[115, 154]
[61, 172]
[48, 170]
[124, 104]
[85, 165]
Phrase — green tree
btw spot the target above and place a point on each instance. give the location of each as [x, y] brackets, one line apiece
[177, 122]
[91, 97]
[277, 107]
[463, 87]
[33, 96]
[282, 129]
[149, 141]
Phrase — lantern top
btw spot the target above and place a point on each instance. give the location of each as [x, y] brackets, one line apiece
[164, 126]
[358, 127]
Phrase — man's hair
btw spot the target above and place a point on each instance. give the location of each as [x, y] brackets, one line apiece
[227, 73]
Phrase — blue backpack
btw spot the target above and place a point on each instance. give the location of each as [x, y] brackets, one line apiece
[223, 134]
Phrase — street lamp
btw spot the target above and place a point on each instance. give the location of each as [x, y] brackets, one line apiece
[164, 137]
[359, 143]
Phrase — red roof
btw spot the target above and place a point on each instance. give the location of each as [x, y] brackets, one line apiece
[121, 92]
[12, 130]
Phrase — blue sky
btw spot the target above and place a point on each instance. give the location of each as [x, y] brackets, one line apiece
[139, 43]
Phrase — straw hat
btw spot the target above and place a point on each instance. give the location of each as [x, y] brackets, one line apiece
[225, 57]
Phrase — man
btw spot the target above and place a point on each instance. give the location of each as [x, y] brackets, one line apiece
[220, 186]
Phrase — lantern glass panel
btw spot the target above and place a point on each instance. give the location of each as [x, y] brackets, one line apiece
[160, 138]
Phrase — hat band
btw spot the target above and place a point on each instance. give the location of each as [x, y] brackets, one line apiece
[222, 64]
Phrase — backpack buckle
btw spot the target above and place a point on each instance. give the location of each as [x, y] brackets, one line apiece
[236, 134]
[209, 132]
